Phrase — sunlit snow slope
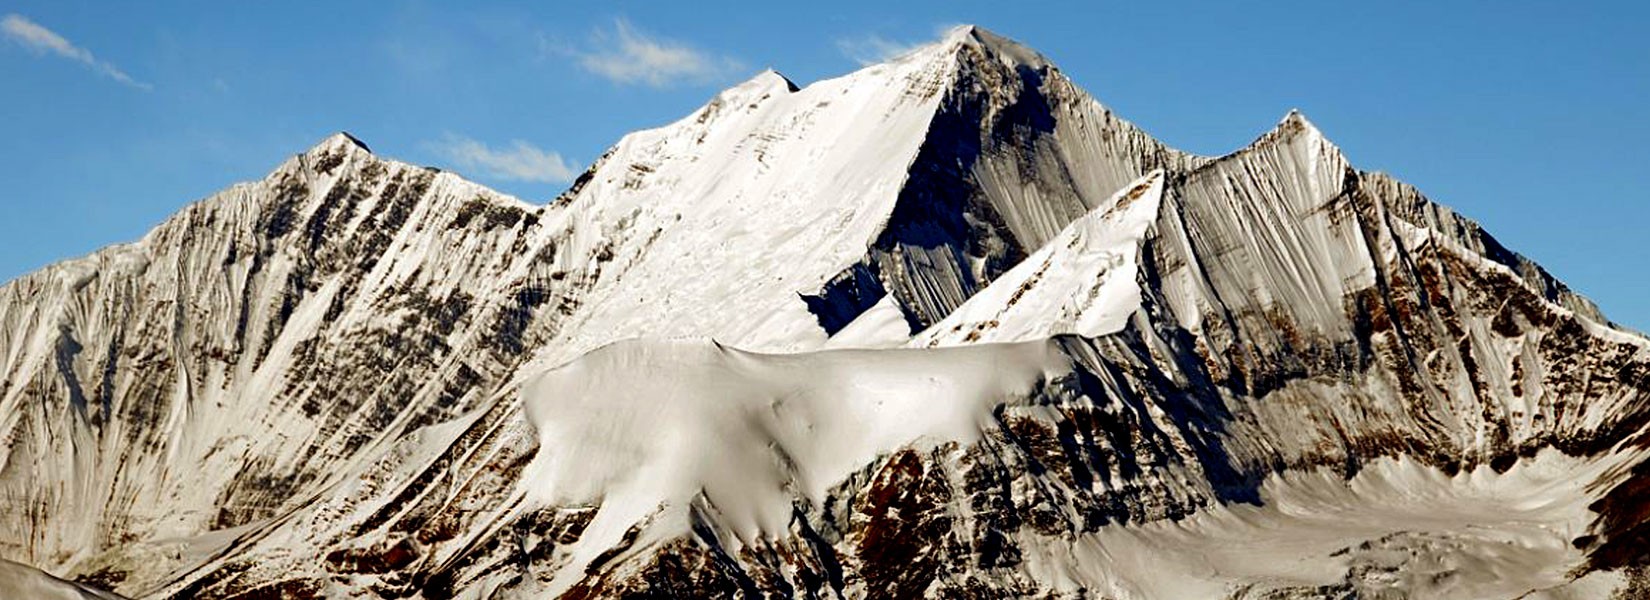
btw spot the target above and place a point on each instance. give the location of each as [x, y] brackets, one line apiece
[24, 582]
[942, 327]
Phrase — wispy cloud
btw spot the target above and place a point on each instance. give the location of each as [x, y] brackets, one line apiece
[627, 55]
[872, 49]
[42, 41]
[519, 161]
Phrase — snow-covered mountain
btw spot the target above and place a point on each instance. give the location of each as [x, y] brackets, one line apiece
[945, 326]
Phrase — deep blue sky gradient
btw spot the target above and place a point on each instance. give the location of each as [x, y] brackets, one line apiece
[1531, 117]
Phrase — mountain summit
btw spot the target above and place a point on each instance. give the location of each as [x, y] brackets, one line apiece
[944, 326]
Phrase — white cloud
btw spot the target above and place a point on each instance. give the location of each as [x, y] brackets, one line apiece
[630, 56]
[520, 161]
[38, 39]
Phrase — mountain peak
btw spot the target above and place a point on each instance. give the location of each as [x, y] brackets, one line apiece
[1293, 128]
[1008, 50]
[960, 34]
[774, 78]
[766, 84]
[1295, 120]
[340, 140]
[768, 80]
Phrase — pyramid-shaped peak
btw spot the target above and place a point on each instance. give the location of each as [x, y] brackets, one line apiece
[993, 44]
[1296, 121]
[960, 33]
[1293, 128]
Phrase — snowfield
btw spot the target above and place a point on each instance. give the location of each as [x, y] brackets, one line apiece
[25, 582]
[650, 431]
[1396, 529]
[644, 429]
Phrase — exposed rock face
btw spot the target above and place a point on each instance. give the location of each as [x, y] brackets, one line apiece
[317, 384]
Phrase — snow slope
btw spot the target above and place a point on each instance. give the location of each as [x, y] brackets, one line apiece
[1084, 282]
[25, 582]
[644, 429]
[210, 373]
[1396, 529]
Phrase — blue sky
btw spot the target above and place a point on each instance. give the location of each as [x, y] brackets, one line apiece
[1530, 118]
